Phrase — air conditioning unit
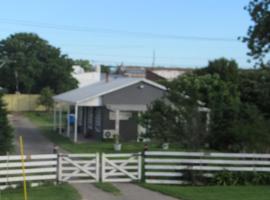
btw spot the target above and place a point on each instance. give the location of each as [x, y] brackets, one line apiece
[109, 133]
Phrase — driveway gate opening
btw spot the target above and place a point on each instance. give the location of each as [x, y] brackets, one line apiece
[79, 168]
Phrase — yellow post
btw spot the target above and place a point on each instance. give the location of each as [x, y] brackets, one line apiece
[23, 169]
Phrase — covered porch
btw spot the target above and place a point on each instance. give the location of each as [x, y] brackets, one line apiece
[82, 122]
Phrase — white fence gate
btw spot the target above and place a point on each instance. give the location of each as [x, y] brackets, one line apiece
[169, 167]
[159, 167]
[124, 167]
[79, 168]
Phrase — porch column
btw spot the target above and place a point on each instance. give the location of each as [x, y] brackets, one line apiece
[54, 117]
[60, 120]
[85, 116]
[68, 122]
[76, 124]
[117, 124]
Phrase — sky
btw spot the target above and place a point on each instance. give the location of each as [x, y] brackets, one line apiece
[180, 33]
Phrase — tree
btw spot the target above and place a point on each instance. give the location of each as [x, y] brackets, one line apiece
[46, 99]
[258, 35]
[178, 121]
[179, 113]
[250, 131]
[105, 69]
[226, 69]
[34, 64]
[85, 64]
[6, 135]
[254, 87]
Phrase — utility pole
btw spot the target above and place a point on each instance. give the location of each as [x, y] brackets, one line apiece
[154, 58]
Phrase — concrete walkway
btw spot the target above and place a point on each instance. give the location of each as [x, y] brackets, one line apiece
[129, 191]
[36, 143]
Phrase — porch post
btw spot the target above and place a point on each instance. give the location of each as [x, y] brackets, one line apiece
[68, 123]
[54, 117]
[60, 120]
[117, 129]
[76, 124]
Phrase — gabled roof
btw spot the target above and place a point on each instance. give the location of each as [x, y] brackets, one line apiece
[100, 88]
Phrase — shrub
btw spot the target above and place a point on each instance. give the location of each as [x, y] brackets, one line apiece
[6, 135]
[241, 178]
[46, 99]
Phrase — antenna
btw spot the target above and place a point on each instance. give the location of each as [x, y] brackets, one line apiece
[154, 58]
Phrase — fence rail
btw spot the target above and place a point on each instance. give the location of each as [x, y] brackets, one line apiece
[157, 167]
[37, 168]
[171, 167]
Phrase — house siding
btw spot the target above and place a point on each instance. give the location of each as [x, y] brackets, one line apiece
[131, 95]
[134, 95]
[128, 128]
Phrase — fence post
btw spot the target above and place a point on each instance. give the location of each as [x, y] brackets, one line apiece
[139, 166]
[145, 148]
[103, 165]
[98, 165]
[59, 168]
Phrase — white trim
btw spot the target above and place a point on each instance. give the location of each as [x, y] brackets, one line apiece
[68, 122]
[76, 124]
[54, 118]
[92, 102]
[60, 120]
[117, 122]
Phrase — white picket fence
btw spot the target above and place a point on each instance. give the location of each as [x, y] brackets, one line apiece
[159, 167]
[124, 167]
[169, 167]
[78, 168]
[37, 168]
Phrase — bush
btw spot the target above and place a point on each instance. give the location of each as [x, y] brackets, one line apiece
[251, 132]
[6, 135]
[241, 178]
[46, 99]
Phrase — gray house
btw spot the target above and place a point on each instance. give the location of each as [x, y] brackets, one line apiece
[106, 108]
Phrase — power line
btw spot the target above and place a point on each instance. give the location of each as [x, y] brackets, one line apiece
[147, 57]
[111, 31]
[102, 46]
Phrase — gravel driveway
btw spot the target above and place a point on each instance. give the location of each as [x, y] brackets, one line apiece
[34, 141]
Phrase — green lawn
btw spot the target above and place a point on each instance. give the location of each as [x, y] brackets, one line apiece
[44, 121]
[52, 192]
[213, 192]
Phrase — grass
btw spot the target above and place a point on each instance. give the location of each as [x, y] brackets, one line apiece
[51, 192]
[108, 187]
[44, 122]
[213, 192]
